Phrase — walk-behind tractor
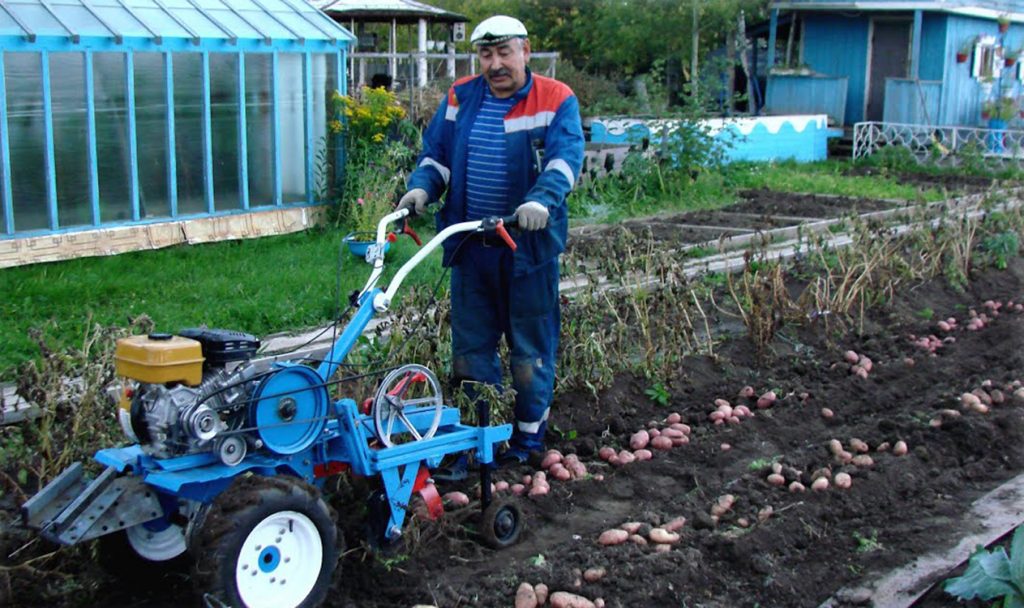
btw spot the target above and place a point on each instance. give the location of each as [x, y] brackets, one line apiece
[229, 456]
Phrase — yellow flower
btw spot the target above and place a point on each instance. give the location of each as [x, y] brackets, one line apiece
[379, 137]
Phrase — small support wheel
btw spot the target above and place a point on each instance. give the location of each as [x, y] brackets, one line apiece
[410, 388]
[501, 524]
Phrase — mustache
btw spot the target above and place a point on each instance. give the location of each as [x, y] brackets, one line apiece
[499, 72]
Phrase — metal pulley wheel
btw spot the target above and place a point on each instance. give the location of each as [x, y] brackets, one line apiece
[407, 405]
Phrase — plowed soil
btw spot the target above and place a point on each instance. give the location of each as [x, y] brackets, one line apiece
[812, 544]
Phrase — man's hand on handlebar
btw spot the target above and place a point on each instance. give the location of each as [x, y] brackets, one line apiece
[415, 201]
[532, 216]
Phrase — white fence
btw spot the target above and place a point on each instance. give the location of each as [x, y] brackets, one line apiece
[950, 145]
[419, 69]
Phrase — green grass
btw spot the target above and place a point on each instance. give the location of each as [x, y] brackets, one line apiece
[825, 177]
[260, 286]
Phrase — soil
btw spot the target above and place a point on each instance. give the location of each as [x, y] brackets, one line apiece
[812, 545]
[960, 183]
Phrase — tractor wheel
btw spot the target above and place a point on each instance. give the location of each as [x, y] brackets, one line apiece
[501, 524]
[267, 542]
[142, 555]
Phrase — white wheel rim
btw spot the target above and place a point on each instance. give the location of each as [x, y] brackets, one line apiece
[160, 546]
[279, 562]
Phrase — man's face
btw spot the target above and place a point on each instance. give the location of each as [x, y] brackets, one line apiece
[504, 65]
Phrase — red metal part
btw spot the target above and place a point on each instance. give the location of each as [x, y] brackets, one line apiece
[365, 406]
[407, 229]
[334, 467]
[500, 230]
[402, 386]
[428, 492]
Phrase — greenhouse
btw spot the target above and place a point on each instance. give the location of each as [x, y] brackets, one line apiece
[134, 112]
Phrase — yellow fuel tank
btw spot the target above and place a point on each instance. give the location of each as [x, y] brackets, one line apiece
[160, 358]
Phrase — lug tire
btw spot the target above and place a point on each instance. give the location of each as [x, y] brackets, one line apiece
[501, 524]
[276, 530]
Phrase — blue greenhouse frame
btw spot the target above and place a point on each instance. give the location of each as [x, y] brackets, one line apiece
[168, 27]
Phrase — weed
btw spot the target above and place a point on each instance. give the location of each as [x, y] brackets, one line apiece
[760, 464]
[1000, 247]
[867, 544]
[925, 313]
[658, 394]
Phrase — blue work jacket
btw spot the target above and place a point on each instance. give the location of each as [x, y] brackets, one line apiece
[544, 149]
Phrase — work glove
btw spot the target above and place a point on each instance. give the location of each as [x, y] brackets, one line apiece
[532, 216]
[414, 200]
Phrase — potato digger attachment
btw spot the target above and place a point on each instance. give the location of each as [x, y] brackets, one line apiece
[228, 459]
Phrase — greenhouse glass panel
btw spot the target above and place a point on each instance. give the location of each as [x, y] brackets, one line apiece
[268, 26]
[188, 132]
[114, 153]
[300, 26]
[81, 20]
[37, 19]
[70, 138]
[323, 79]
[121, 20]
[8, 26]
[259, 128]
[151, 134]
[198, 23]
[235, 23]
[292, 115]
[24, 74]
[224, 130]
[161, 22]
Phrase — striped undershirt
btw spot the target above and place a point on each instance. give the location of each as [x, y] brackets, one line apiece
[486, 172]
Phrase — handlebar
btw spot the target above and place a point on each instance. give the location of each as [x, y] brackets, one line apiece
[494, 224]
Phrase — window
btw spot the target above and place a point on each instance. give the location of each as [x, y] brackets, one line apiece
[24, 73]
[151, 134]
[988, 59]
[70, 139]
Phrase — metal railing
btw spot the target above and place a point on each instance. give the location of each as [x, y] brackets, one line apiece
[419, 69]
[946, 145]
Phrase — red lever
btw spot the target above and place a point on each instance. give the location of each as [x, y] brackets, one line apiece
[500, 229]
[407, 229]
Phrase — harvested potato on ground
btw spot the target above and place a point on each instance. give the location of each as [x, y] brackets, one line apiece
[796, 486]
[592, 575]
[631, 526]
[900, 448]
[843, 480]
[663, 536]
[542, 593]
[639, 440]
[551, 458]
[820, 484]
[456, 499]
[526, 597]
[615, 536]
[675, 524]
[564, 599]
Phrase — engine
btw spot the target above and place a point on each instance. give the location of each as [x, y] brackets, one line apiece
[181, 397]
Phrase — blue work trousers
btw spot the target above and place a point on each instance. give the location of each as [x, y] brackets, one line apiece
[489, 302]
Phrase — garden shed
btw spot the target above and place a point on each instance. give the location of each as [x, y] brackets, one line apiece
[935, 62]
[127, 124]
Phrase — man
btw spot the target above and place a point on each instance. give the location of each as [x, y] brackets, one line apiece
[505, 141]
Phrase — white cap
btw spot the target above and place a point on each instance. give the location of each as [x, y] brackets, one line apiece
[497, 29]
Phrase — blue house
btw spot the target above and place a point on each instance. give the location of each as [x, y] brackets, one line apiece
[924, 62]
[128, 124]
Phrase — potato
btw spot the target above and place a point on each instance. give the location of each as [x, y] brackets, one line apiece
[540, 477]
[642, 455]
[716, 416]
[981, 408]
[765, 513]
[862, 460]
[526, 597]
[631, 526]
[884, 446]
[725, 447]
[725, 409]
[944, 326]
[639, 440]
[559, 472]
[860, 372]
[859, 446]
[661, 443]
[722, 403]
[983, 395]
[501, 486]
[679, 426]
[636, 539]
[850, 356]
[654, 433]
[456, 499]
[578, 469]
[663, 536]
[843, 480]
[615, 536]
[777, 468]
[826, 413]
[662, 548]
[564, 599]
[674, 524]
[517, 489]
[605, 453]
[733, 420]
[998, 397]
[820, 484]
[592, 575]
[743, 522]
[673, 418]
[796, 486]
[776, 480]
[539, 490]
[866, 363]
[551, 458]
[746, 392]
[726, 500]
[900, 448]
[626, 457]
[527, 480]
[835, 446]
[598, 602]
[542, 593]
[844, 457]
